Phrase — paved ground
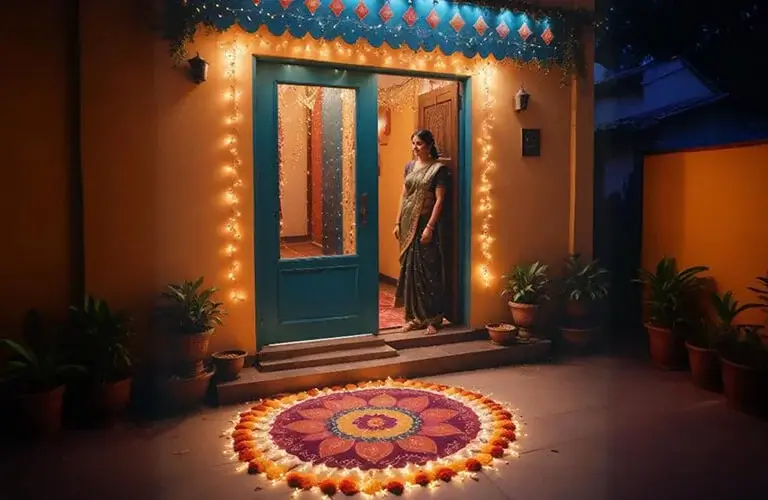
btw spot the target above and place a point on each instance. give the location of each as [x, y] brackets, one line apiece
[598, 428]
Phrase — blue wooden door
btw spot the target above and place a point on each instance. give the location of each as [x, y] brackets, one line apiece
[316, 202]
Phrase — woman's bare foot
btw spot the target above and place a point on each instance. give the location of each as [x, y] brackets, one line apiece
[431, 330]
[410, 326]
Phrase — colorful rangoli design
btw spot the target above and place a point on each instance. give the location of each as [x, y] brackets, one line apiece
[384, 435]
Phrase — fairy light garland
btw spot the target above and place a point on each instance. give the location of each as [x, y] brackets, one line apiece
[232, 171]
[485, 202]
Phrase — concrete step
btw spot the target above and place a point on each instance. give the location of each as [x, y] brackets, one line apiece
[447, 335]
[329, 358]
[416, 362]
[297, 349]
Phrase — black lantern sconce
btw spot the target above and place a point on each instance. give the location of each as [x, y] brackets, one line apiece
[521, 100]
[198, 69]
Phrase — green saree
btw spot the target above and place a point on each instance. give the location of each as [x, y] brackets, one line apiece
[421, 284]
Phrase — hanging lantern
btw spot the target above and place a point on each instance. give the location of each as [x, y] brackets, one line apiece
[198, 69]
[521, 100]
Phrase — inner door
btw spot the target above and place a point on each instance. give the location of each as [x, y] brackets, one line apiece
[438, 113]
[315, 170]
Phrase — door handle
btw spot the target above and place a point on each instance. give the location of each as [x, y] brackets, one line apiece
[363, 207]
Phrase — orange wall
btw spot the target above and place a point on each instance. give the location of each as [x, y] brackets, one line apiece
[708, 208]
[35, 142]
[152, 153]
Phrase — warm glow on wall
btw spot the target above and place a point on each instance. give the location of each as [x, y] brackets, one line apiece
[232, 171]
[485, 201]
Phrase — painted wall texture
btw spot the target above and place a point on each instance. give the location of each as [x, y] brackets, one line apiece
[706, 208]
[153, 146]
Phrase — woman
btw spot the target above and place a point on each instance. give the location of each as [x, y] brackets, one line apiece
[421, 286]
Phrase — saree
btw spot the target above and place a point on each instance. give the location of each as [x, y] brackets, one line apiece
[421, 284]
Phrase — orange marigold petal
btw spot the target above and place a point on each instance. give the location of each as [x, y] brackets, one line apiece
[473, 465]
[328, 487]
[349, 487]
[484, 458]
[395, 487]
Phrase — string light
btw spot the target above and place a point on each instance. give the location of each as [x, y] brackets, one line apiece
[485, 202]
[232, 170]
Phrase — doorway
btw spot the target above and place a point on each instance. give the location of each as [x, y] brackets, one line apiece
[317, 198]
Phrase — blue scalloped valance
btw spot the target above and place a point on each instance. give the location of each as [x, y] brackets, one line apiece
[418, 24]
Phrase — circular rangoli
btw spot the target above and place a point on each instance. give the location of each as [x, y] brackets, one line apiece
[383, 435]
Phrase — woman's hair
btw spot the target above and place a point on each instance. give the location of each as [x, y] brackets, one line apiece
[427, 138]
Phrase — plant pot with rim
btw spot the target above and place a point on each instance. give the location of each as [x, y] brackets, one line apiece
[667, 293]
[526, 288]
[36, 374]
[184, 393]
[745, 372]
[583, 286]
[229, 364]
[189, 320]
[102, 337]
[502, 333]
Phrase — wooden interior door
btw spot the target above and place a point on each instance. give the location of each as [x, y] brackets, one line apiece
[439, 113]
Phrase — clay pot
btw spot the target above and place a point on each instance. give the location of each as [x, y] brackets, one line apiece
[705, 367]
[187, 352]
[502, 333]
[577, 309]
[579, 338]
[524, 315]
[744, 387]
[229, 364]
[109, 401]
[178, 394]
[41, 412]
[667, 349]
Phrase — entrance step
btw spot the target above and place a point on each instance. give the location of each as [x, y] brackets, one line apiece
[415, 362]
[346, 355]
[297, 349]
[447, 335]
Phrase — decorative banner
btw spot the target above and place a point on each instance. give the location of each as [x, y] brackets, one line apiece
[418, 24]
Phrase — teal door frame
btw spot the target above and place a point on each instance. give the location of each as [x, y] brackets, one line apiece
[266, 304]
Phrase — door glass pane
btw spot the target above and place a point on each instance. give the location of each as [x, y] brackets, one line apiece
[316, 143]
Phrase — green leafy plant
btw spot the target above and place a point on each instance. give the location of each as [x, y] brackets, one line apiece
[762, 291]
[745, 346]
[526, 284]
[192, 309]
[723, 328]
[587, 282]
[102, 337]
[40, 362]
[668, 291]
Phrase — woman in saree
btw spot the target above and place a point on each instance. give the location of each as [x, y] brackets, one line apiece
[421, 284]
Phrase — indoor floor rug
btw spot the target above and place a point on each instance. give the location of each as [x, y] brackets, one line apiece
[381, 436]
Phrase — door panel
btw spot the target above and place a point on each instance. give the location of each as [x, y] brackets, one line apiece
[438, 113]
[315, 149]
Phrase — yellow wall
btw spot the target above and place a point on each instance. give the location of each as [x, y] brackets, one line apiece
[153, 151]
[707, 208]
[36, 148]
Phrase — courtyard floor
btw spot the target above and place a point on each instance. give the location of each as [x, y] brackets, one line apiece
[597, 428]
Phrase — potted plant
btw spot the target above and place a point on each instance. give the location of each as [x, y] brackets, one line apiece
[190, 317]
[35, 376]
[526, 287]
[583, 287]
[744, 361]
[229, 364]
[101, 337]
[502, 333]
[667, 294]
[703, 343]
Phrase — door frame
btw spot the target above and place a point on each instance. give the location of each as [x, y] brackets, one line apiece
[464, 177]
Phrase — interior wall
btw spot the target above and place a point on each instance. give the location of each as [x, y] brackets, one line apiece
[707, 208]
[294, 160]
[154, 144]
[36, 143]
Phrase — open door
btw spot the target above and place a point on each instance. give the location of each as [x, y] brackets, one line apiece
[439, 113]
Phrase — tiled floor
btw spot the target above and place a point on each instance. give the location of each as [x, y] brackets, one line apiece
[604, 428]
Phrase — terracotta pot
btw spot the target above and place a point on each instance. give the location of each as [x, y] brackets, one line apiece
[667, 349]
[744, 387]
[580, 337]
[577, 309]
[41, 412]
[108, 401]
[705, 367]
[502, 333]
[229, 364]
[524, 315]
[179, 394]
[187, 352]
